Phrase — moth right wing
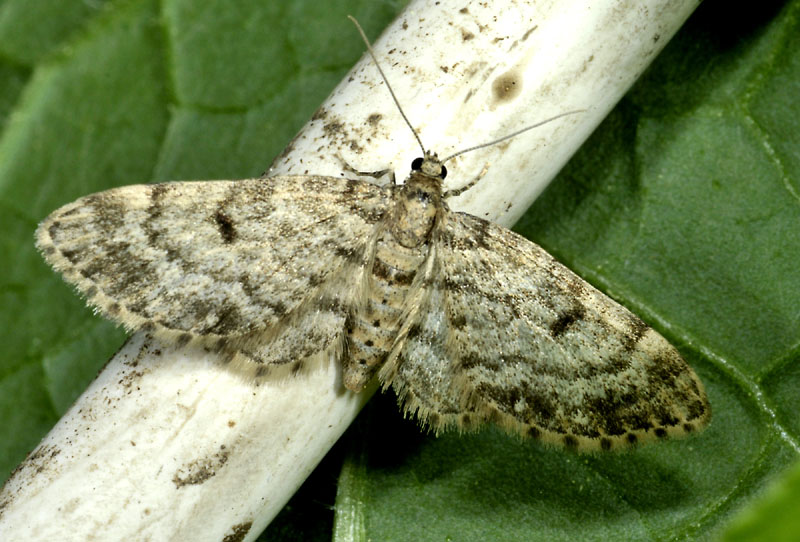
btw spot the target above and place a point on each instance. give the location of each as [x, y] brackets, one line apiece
[511, 336]
[212, 259]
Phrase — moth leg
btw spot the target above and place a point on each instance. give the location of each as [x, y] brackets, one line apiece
[473, 182]
[374, 174]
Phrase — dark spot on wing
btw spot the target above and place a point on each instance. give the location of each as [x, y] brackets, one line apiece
[220, 345]
[157, 191]
[667, 419]
[697, 409]
[565, 320]
[459, 322]
[229, 319]
[636, 330]
[91, 269]
[347, 253]
[612, 425]
[278, 308]
[473, 360]
[640, 421]
[539, 409]
[226, 228]
[227, 355]
[74, 256]
[53, 229]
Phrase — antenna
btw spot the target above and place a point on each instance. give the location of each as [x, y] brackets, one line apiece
[377, 65]
[413, 131]
[513, 134]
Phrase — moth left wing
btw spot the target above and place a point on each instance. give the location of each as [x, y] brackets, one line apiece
[512, 336]
[213, 259]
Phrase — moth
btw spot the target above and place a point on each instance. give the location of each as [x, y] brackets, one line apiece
[467, 321]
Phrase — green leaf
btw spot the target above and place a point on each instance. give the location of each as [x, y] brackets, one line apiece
[683, 206]
[773, 517]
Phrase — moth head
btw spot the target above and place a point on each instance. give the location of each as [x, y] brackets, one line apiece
[429, 165]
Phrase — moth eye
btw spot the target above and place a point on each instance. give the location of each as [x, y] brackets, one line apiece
[443, 174]
[416, 164]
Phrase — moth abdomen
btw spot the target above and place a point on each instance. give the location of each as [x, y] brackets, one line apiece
[374, 327]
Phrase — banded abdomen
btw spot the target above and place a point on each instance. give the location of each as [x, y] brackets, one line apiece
[372, 330]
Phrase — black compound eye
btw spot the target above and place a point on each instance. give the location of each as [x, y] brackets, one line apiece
[416, 164]
[444, 173]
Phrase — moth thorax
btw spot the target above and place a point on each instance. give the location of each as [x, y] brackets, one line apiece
[419, 202]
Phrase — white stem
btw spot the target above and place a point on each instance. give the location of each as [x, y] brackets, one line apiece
[165, 444]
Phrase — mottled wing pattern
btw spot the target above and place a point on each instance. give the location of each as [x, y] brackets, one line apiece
[421, 370]
[513, 337]
[216, 259]
[318, 324]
